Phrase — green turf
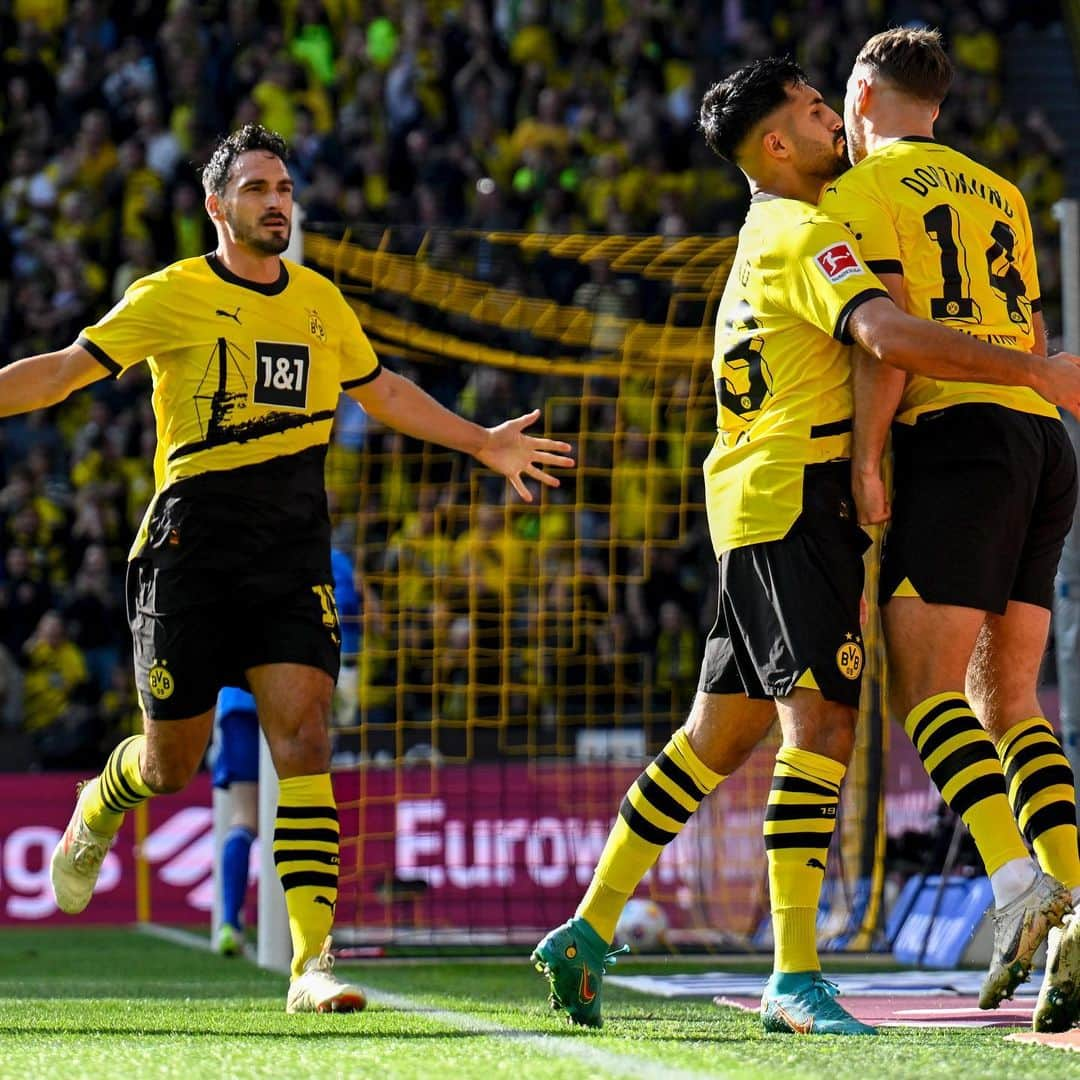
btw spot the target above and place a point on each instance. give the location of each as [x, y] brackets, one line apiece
[117, 1004]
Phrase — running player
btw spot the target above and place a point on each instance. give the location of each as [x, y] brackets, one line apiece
[985, 486]
[229, 579]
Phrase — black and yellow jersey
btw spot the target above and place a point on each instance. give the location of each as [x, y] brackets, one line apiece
[961, 237]
[781, 366]
[243, 373]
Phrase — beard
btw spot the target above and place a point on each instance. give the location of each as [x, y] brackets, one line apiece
[824, 163]
[837, 163]
[252, 237]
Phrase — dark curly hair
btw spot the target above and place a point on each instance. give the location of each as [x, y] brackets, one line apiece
[732, 107]
[215, 174]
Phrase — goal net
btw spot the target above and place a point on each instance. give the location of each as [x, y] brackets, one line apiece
[518, 665]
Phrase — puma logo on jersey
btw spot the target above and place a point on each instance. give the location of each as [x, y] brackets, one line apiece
[234, 315]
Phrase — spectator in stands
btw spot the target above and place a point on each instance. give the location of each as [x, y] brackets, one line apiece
[56, 681]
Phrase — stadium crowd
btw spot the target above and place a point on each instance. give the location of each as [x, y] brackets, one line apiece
[554, 117]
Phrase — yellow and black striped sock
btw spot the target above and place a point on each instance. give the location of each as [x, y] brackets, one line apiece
[307, 842]
[799, 825]
[118, 789]
[1043, 796]
[657, 806]
[961, 760]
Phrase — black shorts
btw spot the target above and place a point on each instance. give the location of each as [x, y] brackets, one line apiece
[223, 585]
[983, 500]
[790, 606]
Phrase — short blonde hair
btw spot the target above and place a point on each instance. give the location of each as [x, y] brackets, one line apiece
[914, 61]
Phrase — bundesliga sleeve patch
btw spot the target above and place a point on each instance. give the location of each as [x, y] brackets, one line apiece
[837, 262]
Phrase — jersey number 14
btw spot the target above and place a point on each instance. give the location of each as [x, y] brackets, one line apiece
[942, 225]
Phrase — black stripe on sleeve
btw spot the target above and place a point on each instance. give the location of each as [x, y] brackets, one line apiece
[840, 331]
[885, 266]
[350, 384]
[100, 355]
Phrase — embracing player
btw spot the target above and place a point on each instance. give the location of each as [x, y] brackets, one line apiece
[985, 485]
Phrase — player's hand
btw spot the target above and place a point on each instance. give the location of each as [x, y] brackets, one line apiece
[514, 454]
[1060, 382]
[871, 500]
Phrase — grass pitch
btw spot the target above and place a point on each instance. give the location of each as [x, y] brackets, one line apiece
[115, 1003]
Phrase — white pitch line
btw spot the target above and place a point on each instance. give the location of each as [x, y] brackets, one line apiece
[611, 1062]
[175, 936]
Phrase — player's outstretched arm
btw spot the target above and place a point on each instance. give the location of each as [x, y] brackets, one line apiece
[43, 380]
[927, 348]
[505, 448]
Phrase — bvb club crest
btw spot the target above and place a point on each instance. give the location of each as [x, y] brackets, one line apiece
[161, 681]
[849, 657]
[315, 326]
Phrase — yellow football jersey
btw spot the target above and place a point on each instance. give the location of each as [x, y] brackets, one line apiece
[242, 372]
[961, 237]
[781, 366]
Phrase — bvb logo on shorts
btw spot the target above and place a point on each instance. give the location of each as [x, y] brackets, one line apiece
[849, 657]
[161, 681]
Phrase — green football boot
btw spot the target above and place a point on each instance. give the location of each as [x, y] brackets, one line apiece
[574, 957]
[804, 1003]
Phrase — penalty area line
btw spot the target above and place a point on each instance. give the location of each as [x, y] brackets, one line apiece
[610, 1062]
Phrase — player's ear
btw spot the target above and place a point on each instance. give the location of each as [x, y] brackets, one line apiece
[774, 144]
[213, 207]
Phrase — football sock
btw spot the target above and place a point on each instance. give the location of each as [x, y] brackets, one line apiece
[657, 806]
[1043, 796]
[960, 758]
[118, 788]
[1012, 880]
[306, 852]
[799, 825]
[234, 874]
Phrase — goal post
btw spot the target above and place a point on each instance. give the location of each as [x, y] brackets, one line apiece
[518, 665]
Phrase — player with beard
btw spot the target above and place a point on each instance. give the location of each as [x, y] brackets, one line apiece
[229, 581]
[787, 639]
